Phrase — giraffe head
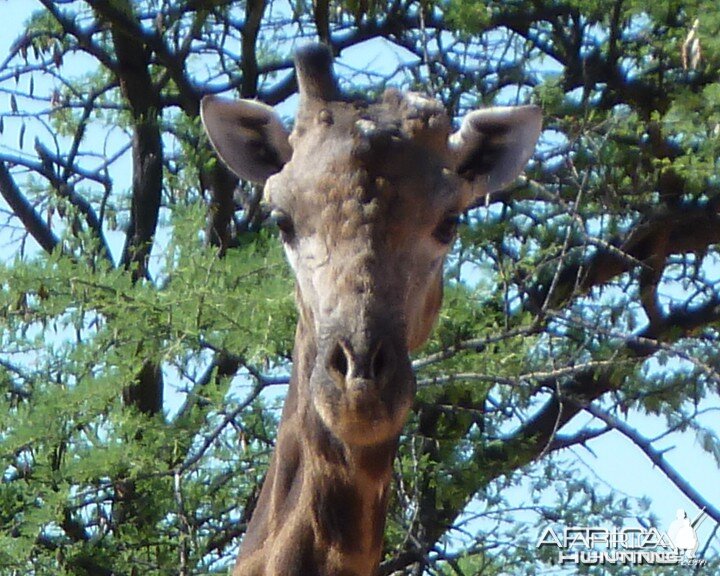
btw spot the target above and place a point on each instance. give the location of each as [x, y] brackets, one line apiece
[367, 198]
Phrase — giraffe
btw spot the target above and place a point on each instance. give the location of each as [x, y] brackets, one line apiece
[366, 197]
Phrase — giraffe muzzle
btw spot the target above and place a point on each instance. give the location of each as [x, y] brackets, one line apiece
[365, 387]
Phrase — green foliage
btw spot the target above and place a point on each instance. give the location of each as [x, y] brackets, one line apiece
[75, 335]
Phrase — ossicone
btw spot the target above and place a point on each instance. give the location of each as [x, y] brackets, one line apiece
[314, 68]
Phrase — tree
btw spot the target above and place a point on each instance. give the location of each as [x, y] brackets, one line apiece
[146, 311]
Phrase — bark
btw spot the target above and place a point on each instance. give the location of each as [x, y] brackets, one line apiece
[133, 59]
[254, 10]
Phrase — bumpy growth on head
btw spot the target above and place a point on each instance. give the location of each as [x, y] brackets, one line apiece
[366, 197]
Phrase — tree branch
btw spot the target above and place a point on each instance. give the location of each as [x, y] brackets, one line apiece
[657, 458]
[664, 233]
[25, 212]
[65, 190]
[133, 61]
[570, 395]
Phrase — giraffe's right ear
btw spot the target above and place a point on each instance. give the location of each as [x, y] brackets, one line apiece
[248, 136]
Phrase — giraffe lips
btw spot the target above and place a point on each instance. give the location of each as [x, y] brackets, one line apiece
[364, 413]
[369, 423]
[362, 387]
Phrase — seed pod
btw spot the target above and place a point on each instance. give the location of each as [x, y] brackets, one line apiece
[57, 56]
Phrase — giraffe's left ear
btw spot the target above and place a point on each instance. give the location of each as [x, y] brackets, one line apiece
[493, 145]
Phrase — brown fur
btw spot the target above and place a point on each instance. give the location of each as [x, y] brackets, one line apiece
[366, 195]
[368, 211]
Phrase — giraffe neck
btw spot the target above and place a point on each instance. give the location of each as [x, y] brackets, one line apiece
[322, 507]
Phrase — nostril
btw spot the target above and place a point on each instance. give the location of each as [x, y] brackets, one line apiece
[339, 360]
[383, 363]
[378, 363]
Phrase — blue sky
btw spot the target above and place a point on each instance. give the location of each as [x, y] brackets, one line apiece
[614, 462]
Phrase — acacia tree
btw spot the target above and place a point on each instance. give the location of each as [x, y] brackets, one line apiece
[146, 315]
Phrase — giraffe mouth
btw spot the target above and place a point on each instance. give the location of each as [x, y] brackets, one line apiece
[364, 413]
[362, 384]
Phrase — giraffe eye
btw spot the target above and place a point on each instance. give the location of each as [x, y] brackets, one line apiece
[445, 231]
[284, 223]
